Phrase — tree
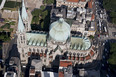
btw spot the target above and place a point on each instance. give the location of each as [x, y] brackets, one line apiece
[44, 14]
[112, 56]
[11, 29]
[42, 7]
[35, 20]
[42, 25]
[91, 37]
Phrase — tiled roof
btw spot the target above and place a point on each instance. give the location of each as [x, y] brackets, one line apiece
[69, 57]
[83, 0]
[65, 63]
[29, 53]
[90, 4]
[61, 74]
[41, 54]
[87, 57]
[44, 55]
[72, 0]
[92, 17]
[77, 58]
[32, 70]
[32, 76]
[50, 56]
[81, 58]
[92, 53]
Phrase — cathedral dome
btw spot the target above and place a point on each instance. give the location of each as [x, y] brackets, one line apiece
[59, 30]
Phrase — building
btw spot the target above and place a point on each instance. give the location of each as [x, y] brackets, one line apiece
[53, 46]
[14, 68]
[80, 18]
[10, 74]
[72, 3]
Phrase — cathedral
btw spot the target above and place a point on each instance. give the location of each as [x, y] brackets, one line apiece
[54, 46]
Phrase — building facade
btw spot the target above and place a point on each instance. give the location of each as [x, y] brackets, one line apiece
[71, 3]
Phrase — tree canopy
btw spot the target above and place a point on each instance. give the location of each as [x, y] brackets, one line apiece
[40, 18]
[112, 58]
[110, 6]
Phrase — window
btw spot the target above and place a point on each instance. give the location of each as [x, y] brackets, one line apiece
[30, 49]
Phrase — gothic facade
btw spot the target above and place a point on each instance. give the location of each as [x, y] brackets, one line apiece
[50, 47]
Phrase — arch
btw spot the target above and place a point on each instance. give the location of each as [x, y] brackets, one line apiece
[38, 50]
[33, 49]
[30, 49]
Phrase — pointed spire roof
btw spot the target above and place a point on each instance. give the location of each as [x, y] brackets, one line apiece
[21, 27]
[24, 13]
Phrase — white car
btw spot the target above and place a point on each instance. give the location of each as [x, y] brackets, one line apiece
[103, 65]
[103, 57]
[107, 75]
[103, 44]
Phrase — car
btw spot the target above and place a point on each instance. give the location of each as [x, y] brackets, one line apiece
[1, 60]
[103, 44]
[103, 57]
[103, 65]
[107, 75]
[107, 62]
[105, 49]
[108, 69]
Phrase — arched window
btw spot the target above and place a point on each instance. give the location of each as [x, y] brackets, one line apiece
[38, 50]
[33, 50]
[23, 53]
[29, 49]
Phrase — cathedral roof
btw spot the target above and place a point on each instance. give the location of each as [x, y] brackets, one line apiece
[36, 39]
[21, 27]
[79, 43]
[24, 12]
[59, 30]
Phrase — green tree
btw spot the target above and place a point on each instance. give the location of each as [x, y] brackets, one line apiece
[42, 7]
[91, 37]
[11, 29]
[42, 25]
[112, 56]
[44, 14]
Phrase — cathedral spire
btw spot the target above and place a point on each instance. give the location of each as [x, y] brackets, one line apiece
[20, 24]
[24, 13]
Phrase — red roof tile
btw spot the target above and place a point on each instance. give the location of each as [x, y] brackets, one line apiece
[37, 54]
[69, 57]
[32, 70]
[29, 53]
[93, 47]
[50, 56]
[77, 58]
[65, 63]
[72, 0]
[82, 58]
[83, 0]
[61, 74]
[92, 17]
[90, 4]
[73, 57]
[41, 54]
[33, 53]
[31, 76]
[88, 57]
[92, 53]
[44, 55]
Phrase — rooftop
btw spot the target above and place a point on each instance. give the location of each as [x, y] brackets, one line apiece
[72, 0]
[80, 43]
[36, 39]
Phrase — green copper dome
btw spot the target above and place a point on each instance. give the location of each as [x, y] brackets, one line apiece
[59, 30]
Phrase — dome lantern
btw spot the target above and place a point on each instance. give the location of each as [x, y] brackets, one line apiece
[59, 30]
